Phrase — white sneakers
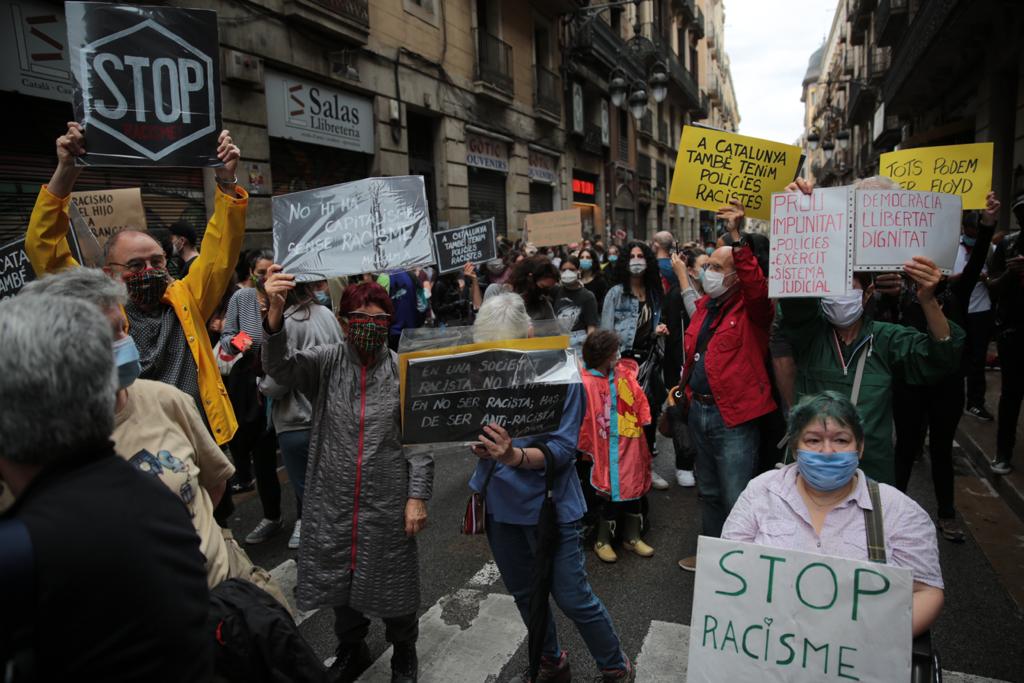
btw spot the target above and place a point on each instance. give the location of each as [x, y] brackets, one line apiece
[657, 482]
[293, 542]
[685, 478]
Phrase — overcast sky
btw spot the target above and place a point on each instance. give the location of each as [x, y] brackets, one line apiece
[769, 43]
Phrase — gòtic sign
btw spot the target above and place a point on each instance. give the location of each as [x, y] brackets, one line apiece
[303, 110]
[147, 84]
[486, 152]
[770, 614]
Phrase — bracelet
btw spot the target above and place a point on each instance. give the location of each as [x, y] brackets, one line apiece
[522, 457]
[227, 183]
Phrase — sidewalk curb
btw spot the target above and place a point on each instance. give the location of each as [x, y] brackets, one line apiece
[1010, 494]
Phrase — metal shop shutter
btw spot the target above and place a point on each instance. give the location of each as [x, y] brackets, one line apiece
[487, 198]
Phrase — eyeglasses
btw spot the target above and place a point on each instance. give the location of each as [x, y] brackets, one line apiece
[137, 265]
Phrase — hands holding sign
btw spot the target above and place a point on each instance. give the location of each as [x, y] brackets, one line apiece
[277, 286]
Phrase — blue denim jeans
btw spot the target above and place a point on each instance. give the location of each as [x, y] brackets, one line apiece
[513, 546]
[726, 460]
[294, 451]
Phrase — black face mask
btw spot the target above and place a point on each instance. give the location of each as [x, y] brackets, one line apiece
[147, 288]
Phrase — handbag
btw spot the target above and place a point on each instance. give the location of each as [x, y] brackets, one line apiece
[474, 521]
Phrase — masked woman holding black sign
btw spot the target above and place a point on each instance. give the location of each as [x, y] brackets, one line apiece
[365, 501]
[825, 504]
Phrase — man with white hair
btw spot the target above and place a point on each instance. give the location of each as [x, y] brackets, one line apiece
[664, 246]
[508, 476]
[101, 574]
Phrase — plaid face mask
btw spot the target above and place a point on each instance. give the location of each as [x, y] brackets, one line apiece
[148, 287]
[368, 333]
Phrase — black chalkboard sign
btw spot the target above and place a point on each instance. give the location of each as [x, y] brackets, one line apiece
[474, 243]
[15, 269]
[450, 398]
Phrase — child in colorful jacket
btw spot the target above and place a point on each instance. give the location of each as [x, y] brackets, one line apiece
[615, 442]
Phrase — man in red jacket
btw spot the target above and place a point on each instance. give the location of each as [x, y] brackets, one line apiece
[726, 378]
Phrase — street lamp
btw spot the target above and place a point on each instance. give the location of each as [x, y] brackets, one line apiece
[638, 101]
[813, 139]
[829, 147]
[617, 87]
[843, 138]
[659, 81]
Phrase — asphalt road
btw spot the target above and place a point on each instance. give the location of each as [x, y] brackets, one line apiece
[981, 631]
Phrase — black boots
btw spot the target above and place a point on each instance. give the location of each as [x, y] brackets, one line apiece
[351, 660]
[404, 665]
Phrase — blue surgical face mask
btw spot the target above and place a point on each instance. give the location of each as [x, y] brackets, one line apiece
[612, 258]
[827, 471]
[126, 358]
[969, 241]
[586, 264]
[323, 297]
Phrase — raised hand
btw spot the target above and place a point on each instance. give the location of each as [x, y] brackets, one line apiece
[71, 144]
[926, 274]
[229, 155]
[990, 215]
[733, 214]
[801, 185]
[276, 286]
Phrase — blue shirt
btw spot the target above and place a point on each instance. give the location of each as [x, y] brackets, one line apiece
[514, 496]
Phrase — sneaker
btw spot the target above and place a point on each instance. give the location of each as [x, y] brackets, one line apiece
[404, 664]
[243, 486]
[616, 675]
[293, 542]
[263, 531]
[657, 482]
[688, 564]
[1000, 466]
[951, 530]
[685, 478]
[980, 413]
[350, 661]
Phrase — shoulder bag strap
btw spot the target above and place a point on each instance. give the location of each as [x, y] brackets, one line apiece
[873, 525]
[702, 347]
[858, 376]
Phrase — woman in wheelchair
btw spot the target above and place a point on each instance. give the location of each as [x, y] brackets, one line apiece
[824, 504]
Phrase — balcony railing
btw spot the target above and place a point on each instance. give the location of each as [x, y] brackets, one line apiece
[348, 20]
[683, 79]
[698, 24]
[663, 132]
[353, 10]
[686, 9]
[890, 21]
[547, 91]
[703, 109]
[643, 168]
[860, 20]
[493, 61]
[593, 40]
[880, 61]
[861, 102]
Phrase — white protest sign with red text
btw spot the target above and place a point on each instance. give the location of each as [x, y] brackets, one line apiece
[809, 244]
[895, 225]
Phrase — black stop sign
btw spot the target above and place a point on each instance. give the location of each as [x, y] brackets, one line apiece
[147, 84]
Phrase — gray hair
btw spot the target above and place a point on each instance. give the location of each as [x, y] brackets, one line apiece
[876, 182]
[663, 239]
[502, 316]
[57, 381]
[85, 284]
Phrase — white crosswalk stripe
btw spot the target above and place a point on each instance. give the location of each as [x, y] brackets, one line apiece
[470, 635]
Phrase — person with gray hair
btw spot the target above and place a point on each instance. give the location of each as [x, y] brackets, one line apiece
[663, 244]
[507, 476]
[85, 525]
[158, 428]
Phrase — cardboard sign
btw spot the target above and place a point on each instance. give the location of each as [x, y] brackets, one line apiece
[809, 244]
[15, 269]
[964, 170]
[819, 240]
[105, 212]
[895, 225]
[366, 226]
[474, 243]
[554, 228]
[762, 613]
[146, 84]
[450, 397]
[714, 166]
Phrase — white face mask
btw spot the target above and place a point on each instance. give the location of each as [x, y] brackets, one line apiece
[844, 310]
[637, 265]
[570, 277]
[713, 283]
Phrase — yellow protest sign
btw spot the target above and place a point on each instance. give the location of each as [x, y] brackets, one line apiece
[714, 166]
[965, 170]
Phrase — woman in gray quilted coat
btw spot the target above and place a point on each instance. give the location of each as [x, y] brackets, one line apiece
[365, 499]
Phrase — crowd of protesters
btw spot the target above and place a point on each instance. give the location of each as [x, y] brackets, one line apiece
[198, 372]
